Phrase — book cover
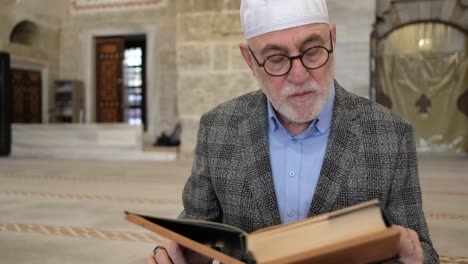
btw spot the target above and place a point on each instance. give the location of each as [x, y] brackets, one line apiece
[358, 234]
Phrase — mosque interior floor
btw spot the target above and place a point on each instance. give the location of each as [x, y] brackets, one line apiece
[64, 211]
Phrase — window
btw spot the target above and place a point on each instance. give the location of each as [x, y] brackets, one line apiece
[133, 86]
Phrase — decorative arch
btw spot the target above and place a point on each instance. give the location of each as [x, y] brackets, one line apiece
[393, 14]
[419, 68]
[25, 33]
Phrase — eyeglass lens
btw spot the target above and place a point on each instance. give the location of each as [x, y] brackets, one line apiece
[312, 58]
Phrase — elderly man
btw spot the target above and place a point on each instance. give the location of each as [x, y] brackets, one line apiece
[301, 145]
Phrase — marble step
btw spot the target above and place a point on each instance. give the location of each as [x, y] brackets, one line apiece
[82, 141]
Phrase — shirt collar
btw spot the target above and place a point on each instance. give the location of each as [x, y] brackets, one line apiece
[322, 123]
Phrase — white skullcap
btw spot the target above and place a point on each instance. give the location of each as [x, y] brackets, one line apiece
[263, 16]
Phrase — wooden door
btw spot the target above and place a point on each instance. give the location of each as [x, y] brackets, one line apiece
[27, 96]
[109, 54]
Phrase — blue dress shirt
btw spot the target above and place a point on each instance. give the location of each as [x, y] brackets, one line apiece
[296, 161]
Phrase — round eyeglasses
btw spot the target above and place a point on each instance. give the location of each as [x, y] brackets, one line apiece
[281, 64]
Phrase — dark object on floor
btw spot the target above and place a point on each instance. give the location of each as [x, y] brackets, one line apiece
[169, 141]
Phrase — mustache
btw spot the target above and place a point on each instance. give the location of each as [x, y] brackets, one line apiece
[308, 87]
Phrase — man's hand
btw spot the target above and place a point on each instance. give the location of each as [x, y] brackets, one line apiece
[410, 249]
[175, 254]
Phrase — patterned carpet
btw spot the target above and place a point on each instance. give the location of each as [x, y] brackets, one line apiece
[72, 211]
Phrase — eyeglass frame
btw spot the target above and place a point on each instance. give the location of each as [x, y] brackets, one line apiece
[291, 58]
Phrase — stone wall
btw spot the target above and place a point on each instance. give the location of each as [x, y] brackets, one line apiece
[211, 69]
[43, 54]
[354, 19]
[158, 23]
[197, 63]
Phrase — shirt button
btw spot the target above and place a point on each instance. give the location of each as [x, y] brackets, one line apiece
[292, 173]
[294, 140]
[291, 213]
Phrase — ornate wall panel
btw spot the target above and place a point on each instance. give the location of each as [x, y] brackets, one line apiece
[79, 6]
[109, 79]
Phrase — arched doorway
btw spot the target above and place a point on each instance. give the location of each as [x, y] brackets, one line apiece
[25, 33]
[422, 74]
[26, 83]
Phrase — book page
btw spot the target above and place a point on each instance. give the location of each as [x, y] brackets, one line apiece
[295, 239]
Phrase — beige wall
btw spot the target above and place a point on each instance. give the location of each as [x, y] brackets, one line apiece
[196, 63]
[43, 55]
[354, 19]
[76, 60]
[210, 66]
[211, 69]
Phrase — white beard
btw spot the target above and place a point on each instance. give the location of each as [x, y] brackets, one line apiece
[301, 112]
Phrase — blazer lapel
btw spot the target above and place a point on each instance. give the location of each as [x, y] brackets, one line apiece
[256, 159]
[339, 156]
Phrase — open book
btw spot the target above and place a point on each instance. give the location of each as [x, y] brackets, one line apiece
[357, 234]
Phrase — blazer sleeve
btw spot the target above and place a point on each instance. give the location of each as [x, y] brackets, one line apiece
[405, 202]
[199, 198]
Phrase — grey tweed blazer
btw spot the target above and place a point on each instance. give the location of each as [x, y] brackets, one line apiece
[370, 154]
